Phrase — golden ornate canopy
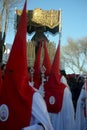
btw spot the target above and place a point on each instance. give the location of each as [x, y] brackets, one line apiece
[49, 19]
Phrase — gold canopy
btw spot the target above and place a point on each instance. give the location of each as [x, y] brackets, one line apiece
[46, 18]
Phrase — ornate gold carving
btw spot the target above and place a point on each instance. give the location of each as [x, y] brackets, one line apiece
[46, 18]
[39, 17]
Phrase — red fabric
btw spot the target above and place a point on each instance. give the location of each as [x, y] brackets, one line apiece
[16, 92]
[56, 63]
[86, 86]
[46, 60]
[54, 88]
[0, 80]
[36, 77]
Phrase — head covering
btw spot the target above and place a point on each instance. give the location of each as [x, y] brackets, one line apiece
[54, 89]
[36, 76]
[16, 94]
[56, 63]
[46, 60]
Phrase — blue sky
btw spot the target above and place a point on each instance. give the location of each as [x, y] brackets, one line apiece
[74, 18]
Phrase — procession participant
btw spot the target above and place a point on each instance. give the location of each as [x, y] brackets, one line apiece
[20, 106]
[58, 98]
[81, 110]
[45, 69]
[36, 74]
[46, 62]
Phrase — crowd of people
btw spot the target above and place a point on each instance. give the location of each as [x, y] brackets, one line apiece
[72, 105]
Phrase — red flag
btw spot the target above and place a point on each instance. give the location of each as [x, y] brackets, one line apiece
[16, 95]
[46, 60]
[36, 77]
[54, 89]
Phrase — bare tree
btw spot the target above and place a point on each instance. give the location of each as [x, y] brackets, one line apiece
[74, 55]
[6, 18]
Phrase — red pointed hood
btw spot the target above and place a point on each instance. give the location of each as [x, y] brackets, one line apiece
[54, 89]
[36, 78]
[46, 60]
[16, 95]
[56, 63]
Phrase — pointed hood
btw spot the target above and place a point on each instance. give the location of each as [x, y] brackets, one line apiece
[16, 95]
[54, 89]
[56, 63]
[36, 78]
[46, 60]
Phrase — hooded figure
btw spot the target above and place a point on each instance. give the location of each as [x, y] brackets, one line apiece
[81, 109]
[58, 98]
[46, 61]
[36, 75]
[20, 106]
